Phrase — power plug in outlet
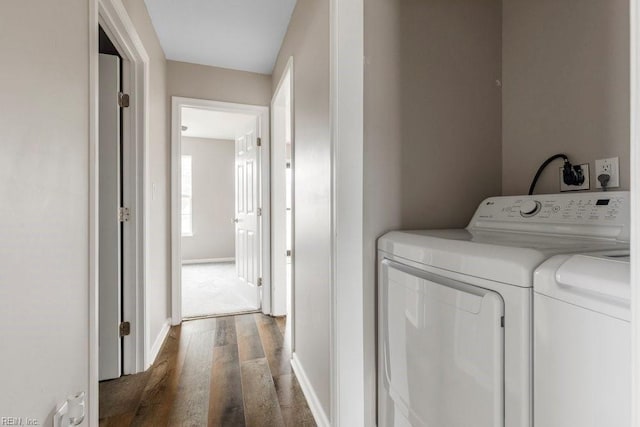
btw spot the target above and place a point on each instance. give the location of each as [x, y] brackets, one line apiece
[608, 167]
[584, 186]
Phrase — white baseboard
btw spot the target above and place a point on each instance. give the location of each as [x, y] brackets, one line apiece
[206, 260]
[157, 344]
[312, 399]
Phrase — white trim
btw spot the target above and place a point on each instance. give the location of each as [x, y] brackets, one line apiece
[157, 344]
[352, 402]
[112, 16]
[634, 26]
[207, 261]
[312, 399]
[177, 103]
[94, 333]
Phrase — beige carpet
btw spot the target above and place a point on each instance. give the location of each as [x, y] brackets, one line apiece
[212, 289]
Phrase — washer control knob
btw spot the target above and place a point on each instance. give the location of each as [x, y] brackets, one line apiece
[530, 208]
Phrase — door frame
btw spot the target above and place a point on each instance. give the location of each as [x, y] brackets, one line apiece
[262, 112]
[634, 60]
[352, 365]
[286, 73]
[138, 355]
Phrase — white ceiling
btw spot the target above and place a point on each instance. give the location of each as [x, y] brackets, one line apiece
[237, 34]
[214, 124]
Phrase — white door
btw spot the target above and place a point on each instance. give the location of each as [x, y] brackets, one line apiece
[247, 218]
[109, 266]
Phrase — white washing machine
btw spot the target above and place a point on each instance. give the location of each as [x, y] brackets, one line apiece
[455, 306]
[582, 341]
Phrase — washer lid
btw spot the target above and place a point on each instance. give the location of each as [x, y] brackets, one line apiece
[507, 257]
[598, 281]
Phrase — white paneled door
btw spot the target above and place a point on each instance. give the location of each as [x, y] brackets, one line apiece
[247, 206]
[110, 279]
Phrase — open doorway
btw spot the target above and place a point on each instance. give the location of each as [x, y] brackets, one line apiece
[282, 199]
[118, 320]
[219, 219]
[220, 201]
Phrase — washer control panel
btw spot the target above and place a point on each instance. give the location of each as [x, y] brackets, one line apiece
[545, 210]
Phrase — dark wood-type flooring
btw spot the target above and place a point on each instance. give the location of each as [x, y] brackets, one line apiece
[224, 371]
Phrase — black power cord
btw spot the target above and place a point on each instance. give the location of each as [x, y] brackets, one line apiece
[571, 175]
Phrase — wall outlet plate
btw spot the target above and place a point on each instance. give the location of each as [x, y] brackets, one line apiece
[611, 167]
[585, 185]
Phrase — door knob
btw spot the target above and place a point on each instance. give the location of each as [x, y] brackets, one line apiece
[236, 220]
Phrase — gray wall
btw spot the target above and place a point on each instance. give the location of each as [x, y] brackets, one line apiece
[213, 190]
[158, 282]
[431, 122]
[44, 163]
[44, 183]
[218, 84]
[307, 40]
[566, 87]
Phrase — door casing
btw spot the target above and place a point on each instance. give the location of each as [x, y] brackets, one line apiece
[139, 354]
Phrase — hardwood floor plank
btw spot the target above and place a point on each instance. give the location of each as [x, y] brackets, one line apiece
[225, 331]
[225, 402]
[159, 394]
[282, 323]
[228, 371]
[191, 402]
[261, 407]
[199, 325]
[121, 395]
[277, 353]
[121, 420]
[293, 405]
[249, 344]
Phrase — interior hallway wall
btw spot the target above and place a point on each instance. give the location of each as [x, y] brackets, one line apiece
[217, 84]
[432, 144]
[159, 257]
[213, 191]
[307, 40]
[44, 187]
[565, 88]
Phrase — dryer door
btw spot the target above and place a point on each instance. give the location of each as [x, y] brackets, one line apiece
[442, 351]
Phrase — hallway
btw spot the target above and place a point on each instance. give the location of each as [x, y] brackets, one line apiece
[225, 371]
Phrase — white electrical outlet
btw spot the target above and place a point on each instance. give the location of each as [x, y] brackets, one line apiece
[609, 167]
[584, 186]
